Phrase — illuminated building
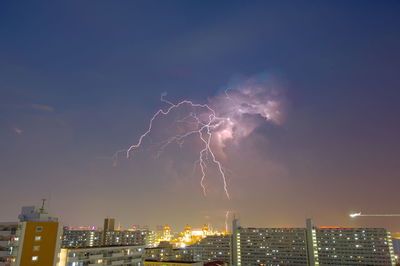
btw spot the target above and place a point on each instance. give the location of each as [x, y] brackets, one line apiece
[81, 238]
[396, 246]
[109, 224]
[90, 237]
[187, 234]
[150, 238]
[269, 246]
[212, 248]
[108, 255]
[182, 254]
[167, 233]
[127, 238]
[7, 233]
[188, 237]
[164, 251]
[311, 246]
[363, 246]
[38, 238]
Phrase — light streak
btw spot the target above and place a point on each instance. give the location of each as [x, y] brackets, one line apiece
[359, 214]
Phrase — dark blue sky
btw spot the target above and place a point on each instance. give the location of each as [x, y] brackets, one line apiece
[81, 78]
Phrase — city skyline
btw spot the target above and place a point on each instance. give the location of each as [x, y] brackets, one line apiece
[82, 81]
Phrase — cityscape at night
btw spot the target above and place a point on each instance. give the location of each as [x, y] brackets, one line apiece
[202, 133]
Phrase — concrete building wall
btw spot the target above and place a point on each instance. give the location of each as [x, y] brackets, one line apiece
[37, 244]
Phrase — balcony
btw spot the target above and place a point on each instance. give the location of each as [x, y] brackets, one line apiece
[96, 256]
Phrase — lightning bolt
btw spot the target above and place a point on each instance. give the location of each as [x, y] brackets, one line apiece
[204, 128]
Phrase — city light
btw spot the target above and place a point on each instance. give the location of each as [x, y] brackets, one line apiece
[353, 215]
[359, 214]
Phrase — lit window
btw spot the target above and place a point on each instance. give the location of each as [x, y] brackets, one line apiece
[35, 258]
[36, 248]
[38, 238]
[39, 228]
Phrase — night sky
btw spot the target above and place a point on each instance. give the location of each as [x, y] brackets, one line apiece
[79, 80]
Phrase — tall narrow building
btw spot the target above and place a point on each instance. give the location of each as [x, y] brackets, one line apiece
[109, 224]
[38, 238]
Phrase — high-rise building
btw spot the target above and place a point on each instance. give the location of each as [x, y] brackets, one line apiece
[351, 246]
[127, 238]
[106, 255]
[311, 246]
[109, 224]
[38, 238]
[91, 237]
[269, 246]
[7, 234]
[164, 251]
[212, 248]
[81, 238]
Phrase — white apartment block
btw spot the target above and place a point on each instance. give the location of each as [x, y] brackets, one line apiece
[107, 255]
[311, 246]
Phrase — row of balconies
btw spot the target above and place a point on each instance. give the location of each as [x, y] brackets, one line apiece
[82, 257]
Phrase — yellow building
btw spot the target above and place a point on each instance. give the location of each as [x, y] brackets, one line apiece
[38, 238]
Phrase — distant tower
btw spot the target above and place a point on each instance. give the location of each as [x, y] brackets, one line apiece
[205, 230]
[167, 233]
[109, 224]
[235, 252]
[188, 234]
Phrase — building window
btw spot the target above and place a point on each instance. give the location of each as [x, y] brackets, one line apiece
[39, 228]
[38, 238]
[35, 258]
[36, 248]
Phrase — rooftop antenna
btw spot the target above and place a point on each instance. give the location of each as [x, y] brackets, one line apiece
[42, 208]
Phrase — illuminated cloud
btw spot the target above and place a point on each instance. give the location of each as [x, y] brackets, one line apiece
[230, 116]
[246, 104]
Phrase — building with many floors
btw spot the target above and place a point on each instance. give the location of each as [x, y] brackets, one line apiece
[91, 237]
[172, 263]
[38, 238]
[126, 237]
[105, 255]
[311, 246]
[81, 238]
[211, 248]
[7, 234]
[268, 246]
[354, 246]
